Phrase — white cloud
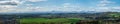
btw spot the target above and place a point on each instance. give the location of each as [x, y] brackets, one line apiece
[7, 8]
[103, 6]
[117, 9]
[66, 4]
[12, 6]
[70, 5]
[36, 0]
[104, 3]
[9, 5]
[11, 2]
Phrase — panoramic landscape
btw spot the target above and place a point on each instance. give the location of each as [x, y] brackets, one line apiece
[59, 12]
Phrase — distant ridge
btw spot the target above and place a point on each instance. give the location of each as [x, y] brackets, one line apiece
[37, 13]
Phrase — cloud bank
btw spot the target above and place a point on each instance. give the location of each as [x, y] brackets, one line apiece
[19, 6]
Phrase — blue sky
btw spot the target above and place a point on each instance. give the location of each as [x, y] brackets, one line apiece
[25, 6]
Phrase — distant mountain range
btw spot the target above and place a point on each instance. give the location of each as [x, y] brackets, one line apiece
[51, 12]
[63, 13]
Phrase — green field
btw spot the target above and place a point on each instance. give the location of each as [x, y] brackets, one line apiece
[49, 21]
